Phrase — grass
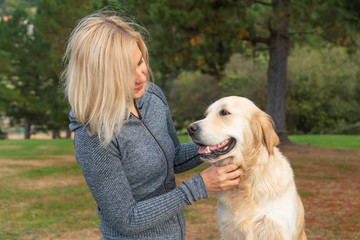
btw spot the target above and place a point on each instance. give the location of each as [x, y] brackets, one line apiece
[28, 211]
[328, 140]
[35, 211]
[35, 149]
[184, 138]
[63, 170]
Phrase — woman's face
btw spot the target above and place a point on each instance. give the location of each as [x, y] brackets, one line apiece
[141, 71]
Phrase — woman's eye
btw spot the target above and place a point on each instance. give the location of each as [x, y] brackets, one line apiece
[140, 62]
[223, 112]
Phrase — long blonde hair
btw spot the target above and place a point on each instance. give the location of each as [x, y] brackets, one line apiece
[100, 73]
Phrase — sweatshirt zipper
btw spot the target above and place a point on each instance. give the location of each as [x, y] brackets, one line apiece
[162, 150]
[166, 159]
[167, 167]
[157, 142]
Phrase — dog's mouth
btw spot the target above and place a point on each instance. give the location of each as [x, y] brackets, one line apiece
[216, 150]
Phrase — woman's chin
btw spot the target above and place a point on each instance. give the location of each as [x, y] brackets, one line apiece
[138, 94]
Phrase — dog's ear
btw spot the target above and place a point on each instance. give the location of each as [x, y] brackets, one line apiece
[263, 130]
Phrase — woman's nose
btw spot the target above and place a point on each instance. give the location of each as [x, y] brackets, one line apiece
[141, 75]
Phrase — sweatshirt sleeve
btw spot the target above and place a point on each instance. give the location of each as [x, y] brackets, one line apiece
[186, 155]
[107, 181]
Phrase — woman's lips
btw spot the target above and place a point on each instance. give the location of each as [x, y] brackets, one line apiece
[139, 88]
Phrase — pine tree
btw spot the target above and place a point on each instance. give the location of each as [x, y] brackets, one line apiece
[53, 23]
[20, 80]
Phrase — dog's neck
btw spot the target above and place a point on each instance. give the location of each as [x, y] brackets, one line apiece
[225, 161]
[258, 168]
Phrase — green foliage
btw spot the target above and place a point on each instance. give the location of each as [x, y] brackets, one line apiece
[54, 20]
[331, 20]
[188, 35]
[343, 127]
[191, 36]
[7, 7]
[322, 89]
[192, 93]
[20, 81]
[322, 92]
[245, 77]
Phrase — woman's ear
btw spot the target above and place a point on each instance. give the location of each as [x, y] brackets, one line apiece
[263, 130]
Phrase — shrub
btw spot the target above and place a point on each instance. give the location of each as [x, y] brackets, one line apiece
[321, 89]
[192, 93]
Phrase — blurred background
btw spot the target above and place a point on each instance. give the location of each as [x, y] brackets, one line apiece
[298, 60]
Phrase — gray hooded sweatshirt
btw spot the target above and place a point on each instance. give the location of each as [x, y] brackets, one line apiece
[132, 179]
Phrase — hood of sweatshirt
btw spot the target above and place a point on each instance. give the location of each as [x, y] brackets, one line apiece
[73, 124]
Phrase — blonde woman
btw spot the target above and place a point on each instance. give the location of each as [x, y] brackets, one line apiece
[125, 141]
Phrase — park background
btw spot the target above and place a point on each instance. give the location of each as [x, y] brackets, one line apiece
[297, 60]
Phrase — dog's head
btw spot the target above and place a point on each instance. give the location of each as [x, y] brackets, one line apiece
[232, 127]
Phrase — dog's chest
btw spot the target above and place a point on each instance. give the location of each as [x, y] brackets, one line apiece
[238, 212]
[234, 217]
[235, 205]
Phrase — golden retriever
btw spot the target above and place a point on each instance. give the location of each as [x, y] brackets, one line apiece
[265, 205]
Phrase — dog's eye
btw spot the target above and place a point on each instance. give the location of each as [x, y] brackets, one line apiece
[223, 112]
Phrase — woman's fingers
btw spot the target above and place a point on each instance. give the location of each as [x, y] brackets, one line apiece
[221, 178]
[235, 174]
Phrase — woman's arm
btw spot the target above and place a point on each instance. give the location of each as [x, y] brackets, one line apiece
[186, 154]
[107, 181]
[186, 158]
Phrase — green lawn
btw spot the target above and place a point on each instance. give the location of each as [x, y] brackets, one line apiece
[35, 148]
[41, 192]
[328, 140]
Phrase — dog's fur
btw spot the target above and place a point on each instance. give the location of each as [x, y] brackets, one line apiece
[265, 205]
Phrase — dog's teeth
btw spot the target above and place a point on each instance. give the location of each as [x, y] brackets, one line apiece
[207, 150]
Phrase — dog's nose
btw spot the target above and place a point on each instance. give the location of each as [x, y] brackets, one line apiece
[192, 128]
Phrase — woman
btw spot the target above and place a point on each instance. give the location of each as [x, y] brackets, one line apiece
[125, 141]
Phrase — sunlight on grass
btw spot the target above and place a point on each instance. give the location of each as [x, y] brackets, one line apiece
[35, 148]
[35, 212]
[328, 140]
[65, 170]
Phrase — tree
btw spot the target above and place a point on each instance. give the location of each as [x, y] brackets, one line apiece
[278, 42]
[20, 81]
[186, 35]
[204, 34]
[7, 7]
[191, 35]
[53, 23]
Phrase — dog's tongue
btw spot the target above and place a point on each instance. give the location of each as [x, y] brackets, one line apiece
[206, 149]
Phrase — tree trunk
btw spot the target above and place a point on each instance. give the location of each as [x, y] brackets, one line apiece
[277, 70]
[68, 133]
[53, 133]
[27, 128]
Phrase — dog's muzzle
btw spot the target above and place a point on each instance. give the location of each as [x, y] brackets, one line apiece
[209, 151]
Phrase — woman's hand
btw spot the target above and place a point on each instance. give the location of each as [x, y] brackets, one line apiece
[221, 178]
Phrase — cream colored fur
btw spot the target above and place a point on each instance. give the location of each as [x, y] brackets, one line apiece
[265, 205]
